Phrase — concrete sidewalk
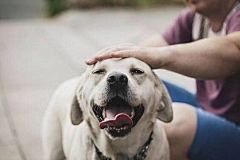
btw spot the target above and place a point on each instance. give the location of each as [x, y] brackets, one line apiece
[37, 55]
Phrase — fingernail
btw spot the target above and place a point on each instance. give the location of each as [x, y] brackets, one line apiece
[88, 61]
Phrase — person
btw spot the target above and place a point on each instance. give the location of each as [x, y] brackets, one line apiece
[203, 43]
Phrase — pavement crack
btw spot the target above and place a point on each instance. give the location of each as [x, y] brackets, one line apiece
[7, 112]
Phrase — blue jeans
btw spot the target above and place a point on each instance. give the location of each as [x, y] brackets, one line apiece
[179, 94]
[216, 138]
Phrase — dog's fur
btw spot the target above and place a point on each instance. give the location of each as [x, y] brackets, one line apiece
[70, 128]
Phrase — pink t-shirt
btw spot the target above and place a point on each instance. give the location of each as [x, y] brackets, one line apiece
[220, 96]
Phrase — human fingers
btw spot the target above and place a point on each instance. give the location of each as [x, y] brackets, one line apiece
[142, 54]
[106, 53]
[127, 53]
[112, 48]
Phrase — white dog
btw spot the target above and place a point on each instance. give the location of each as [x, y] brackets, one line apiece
[111, 112]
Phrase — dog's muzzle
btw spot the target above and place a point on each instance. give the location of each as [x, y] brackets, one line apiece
[118, 116]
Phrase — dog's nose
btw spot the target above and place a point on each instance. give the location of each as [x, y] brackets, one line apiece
[117, 80]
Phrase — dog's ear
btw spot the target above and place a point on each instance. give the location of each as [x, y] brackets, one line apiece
[165, 112]
[76, 112]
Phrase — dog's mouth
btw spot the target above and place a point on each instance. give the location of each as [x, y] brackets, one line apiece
[118, 117]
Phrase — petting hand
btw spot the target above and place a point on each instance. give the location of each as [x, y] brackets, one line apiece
[149, 55]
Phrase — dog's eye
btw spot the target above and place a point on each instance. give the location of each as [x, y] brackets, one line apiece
[136, 71]
[99, 71]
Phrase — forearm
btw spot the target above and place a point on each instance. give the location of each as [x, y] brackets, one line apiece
[155, 41]
[205, 59]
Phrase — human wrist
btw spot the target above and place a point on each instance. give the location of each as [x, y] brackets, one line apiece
[166, 57]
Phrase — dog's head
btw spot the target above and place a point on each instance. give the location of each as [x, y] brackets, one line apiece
[116, 94]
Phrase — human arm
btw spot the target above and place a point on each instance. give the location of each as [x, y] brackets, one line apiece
[204, 59]
[154, 41]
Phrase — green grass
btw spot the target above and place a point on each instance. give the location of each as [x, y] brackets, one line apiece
[53, 7]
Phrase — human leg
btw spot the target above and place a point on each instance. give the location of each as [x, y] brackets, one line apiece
[179, 94]
[216, 138]
[181, 131]
[199, 135]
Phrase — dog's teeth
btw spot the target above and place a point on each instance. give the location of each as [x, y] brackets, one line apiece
[126, 127]
[104, 113]
[132, 113]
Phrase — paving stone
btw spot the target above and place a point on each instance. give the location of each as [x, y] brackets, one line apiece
[27, 106]
[9, 152]
[8, 148]
[110, 27]
[28, 57]
[74, 48]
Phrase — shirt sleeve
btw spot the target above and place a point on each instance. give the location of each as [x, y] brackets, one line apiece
[181, 30]
[233, 24]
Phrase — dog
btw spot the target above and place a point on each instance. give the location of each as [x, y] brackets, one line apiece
[112, 112]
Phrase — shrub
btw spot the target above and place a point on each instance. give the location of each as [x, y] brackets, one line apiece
[56, 6]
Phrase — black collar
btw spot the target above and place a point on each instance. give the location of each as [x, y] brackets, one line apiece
[140, 156]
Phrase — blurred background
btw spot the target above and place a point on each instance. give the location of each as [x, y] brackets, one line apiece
[21, 8]
[36, 8]
[45, 42]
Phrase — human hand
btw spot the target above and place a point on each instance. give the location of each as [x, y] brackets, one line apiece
[150, 55]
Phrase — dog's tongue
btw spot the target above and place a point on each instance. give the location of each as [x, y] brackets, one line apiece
[117, 117]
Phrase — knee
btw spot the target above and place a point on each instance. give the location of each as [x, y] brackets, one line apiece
[184, 120]
[181, 131]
